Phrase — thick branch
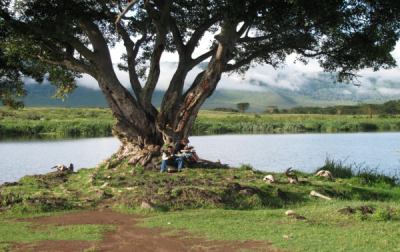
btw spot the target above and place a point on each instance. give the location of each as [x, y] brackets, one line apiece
[131, 54]
[70, 63]
[81, 48]
[96, 38]
[160, 18]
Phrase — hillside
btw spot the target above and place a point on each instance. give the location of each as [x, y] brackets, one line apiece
[319, 91]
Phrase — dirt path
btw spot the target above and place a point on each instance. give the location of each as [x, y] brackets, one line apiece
[129, 237]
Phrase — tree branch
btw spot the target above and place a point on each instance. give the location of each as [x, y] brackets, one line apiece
[199, 32]
[160, 18]
[132, 51]
[127, 8]
[201, 58]
[96, 38]
[177, 37]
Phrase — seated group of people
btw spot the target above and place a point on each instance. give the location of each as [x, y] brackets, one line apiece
[179, 155]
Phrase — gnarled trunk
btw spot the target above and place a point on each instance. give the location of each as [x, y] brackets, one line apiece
[142, 130]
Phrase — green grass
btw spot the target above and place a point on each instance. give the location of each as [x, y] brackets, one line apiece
[220, 203]
[93, 122]
[366, 175]
[11, 231]
[323, 230]
[55, 122]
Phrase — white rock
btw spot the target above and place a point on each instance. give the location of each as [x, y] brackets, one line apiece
[324, 174]
[104, 185]
[269, 179]
[146, 205]
[290, 213]
[317, 194]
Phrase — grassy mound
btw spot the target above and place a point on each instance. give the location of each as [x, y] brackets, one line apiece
[220, 203]
[125, 186]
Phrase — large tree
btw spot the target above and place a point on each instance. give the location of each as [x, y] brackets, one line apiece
[60, 40]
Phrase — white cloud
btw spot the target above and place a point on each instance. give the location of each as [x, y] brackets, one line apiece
[291, 76]
[389, 91]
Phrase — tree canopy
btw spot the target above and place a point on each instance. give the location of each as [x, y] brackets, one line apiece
[60, 40]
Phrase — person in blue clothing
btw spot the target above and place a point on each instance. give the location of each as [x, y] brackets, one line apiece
[170, 157]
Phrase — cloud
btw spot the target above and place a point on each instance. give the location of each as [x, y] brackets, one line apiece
[389, 91]
[293, 75]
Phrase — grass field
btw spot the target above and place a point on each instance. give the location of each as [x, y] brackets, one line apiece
[91, 122]
[219, 204]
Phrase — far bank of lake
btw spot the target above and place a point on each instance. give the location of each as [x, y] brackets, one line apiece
[96, 122]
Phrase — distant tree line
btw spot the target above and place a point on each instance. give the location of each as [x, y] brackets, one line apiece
[389, 108]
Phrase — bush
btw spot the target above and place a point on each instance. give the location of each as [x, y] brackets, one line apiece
[337, 168]
[246, 167]
[366, 175]
[382, 214]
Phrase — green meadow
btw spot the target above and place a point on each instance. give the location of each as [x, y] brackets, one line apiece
[96, 122]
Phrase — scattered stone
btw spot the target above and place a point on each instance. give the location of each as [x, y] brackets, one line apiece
[63, 168]
[290, 213]
[317, 194]
[269, 179]
[293, 214]
[147, 205]
[104, 185]
[324, 174]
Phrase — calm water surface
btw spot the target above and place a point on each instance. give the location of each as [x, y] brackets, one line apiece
[304, 152]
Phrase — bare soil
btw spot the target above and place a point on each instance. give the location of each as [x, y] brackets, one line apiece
[128, 236]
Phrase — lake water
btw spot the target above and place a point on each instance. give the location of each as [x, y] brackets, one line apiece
[277, 152]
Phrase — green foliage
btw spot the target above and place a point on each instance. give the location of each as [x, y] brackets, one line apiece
[337, 168]
[364, 175]
[246, 167]
[387, 108]
[343, 36]
[243, 106]
[383, 214]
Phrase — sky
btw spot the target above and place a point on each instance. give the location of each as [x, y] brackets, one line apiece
[292, 75]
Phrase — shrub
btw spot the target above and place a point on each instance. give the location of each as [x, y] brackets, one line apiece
[337, 168]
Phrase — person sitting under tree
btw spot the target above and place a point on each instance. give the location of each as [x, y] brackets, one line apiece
[169, 157]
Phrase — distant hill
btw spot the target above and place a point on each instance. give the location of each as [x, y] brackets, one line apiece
[316, 92]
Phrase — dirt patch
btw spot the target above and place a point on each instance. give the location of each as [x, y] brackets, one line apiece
[129, 237]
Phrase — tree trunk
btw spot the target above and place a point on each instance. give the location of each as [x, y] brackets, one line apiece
[143, 131]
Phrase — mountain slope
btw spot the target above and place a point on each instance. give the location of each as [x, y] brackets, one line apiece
[312, 93]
